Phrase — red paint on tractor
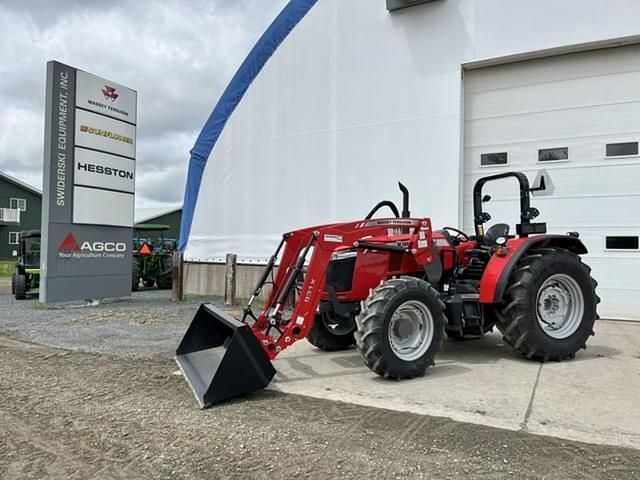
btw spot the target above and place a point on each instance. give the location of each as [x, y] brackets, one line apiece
[495, 268]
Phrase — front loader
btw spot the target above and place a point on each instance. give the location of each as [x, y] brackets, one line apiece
[395, 288]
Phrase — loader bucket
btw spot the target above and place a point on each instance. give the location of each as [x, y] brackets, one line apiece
[221, 358]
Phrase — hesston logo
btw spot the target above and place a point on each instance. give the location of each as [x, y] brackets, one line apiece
[109, 171]
[70, 248]
[109, 93]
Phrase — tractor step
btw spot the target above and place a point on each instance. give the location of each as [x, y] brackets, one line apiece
[464, 314]
[221, 358]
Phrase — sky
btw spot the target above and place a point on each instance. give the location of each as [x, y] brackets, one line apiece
[178, 55]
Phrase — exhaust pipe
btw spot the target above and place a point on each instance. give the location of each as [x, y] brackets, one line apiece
[221, 358]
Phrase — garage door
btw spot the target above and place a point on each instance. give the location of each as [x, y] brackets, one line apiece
[578, 117]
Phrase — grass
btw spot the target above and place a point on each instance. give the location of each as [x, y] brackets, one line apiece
[7, 267]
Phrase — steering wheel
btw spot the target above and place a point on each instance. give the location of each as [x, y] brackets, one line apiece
[460, 235]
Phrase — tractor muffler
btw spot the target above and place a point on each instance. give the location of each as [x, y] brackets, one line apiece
[221, 358]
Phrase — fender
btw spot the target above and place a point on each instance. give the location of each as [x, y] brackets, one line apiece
[496, 276]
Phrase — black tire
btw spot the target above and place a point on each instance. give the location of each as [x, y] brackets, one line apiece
[330, 339]
[521, 320]
[13, 283]
[165, 281]
[374, 322]
[21, 287]
[135, 274]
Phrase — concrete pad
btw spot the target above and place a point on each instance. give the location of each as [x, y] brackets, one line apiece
[594, 398]
[477, 381]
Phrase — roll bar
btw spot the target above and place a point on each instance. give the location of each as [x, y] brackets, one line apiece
[527, 213]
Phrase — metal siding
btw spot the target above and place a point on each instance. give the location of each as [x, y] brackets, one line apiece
[581, 101]
[29, 220]
[172, 219]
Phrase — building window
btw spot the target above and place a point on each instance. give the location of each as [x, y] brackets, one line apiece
[625, 149]
[14, 238]
[622, 243]
[491, 159]
[553, 154]
[18, 204]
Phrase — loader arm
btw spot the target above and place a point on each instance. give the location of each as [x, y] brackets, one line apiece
[222, 357]
[277, 327]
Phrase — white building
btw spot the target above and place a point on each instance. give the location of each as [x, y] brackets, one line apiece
[435, 95]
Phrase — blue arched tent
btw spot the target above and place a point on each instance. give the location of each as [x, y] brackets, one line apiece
[268, 43]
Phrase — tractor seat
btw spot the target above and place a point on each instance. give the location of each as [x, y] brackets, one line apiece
[494, 232]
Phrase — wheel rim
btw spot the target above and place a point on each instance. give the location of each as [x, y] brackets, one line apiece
[411, 330]
[559, 306]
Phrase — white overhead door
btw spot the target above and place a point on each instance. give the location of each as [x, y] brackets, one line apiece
[578, 117]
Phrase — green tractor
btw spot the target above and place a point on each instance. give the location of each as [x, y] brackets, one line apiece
[26, 279]
[152, 256]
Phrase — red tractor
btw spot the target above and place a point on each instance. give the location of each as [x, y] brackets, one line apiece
[394, 287]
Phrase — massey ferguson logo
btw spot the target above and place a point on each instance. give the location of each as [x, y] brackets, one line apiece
[70, 248]
[110, 96]
[109, 93]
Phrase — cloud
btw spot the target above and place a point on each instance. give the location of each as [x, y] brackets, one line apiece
[178, 55]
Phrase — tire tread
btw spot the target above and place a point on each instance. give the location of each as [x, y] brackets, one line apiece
[515, 322]
[369, 333]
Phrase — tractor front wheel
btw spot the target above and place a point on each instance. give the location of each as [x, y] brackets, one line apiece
[21, 287]
[331, 333]
[549, 306]
[400, 328]
[13, 283]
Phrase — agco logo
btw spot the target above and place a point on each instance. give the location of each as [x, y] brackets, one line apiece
[70, 248]
[109, 93]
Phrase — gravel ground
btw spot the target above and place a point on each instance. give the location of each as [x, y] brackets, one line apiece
[148, 324]
[108, 404]
[76, 415]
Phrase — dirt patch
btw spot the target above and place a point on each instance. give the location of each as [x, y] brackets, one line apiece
[79, 415]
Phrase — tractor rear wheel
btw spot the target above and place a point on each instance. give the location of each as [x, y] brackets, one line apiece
[165, 281]
[331, 333]
[400, 328]
[21, 287]
[550, 305]
[135, 274]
